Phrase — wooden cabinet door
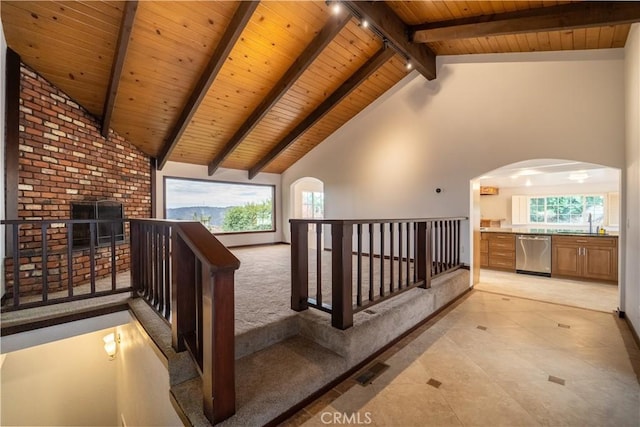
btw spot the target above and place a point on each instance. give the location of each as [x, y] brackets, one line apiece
[600, 263]
[566, 260]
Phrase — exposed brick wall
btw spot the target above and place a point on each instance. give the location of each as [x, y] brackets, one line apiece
[63, 158]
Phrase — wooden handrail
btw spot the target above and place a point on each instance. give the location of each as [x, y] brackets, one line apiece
[206, 247]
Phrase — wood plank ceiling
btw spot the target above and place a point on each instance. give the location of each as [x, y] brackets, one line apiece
[255, 86]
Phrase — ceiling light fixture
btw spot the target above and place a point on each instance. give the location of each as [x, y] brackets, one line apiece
[578, 176]
[336, 8]
[365, 23]
[409, 66]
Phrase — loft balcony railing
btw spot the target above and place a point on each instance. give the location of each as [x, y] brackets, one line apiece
[179, 268]
[351, 265]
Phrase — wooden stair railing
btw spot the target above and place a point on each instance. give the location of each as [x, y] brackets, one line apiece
[370, 261]
[200, 297]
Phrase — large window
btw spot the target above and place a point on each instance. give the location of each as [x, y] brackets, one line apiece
[312, 205]
[222, 207]
[570, 210]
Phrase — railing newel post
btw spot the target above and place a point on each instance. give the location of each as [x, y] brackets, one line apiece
[341, 267]
[299, 266]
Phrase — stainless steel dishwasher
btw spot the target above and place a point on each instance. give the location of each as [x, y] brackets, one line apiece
[533, 254]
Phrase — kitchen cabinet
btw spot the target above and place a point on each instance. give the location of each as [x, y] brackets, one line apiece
[499, 252]
[519, 210]
[585, 257]
[484, 250]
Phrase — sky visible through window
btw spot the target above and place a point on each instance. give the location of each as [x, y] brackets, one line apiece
[182, 193]
[220, 206]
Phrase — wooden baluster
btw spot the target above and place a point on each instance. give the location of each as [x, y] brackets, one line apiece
[167, 271]
[371, 293]
[408, 278]
[422, 260]
[92, 255]
[319, 263]
[458, 242]
[359, 266]
[16, 265]
[382, 259]
[114, 267]
[429, 253]
[45, 256]
[391, 255]
[399, 255]
[299, 266]
[70, 259]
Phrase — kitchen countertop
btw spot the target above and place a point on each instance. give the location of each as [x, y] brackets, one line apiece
[545, 231]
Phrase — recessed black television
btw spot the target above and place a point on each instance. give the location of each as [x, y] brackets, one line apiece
[103, 209]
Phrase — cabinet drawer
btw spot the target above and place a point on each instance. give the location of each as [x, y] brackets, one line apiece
[586, 241]
[502, 245]
[502, 263]
[510, 255]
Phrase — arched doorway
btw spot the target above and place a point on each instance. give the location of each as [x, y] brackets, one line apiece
[549, 197]
[307, 202]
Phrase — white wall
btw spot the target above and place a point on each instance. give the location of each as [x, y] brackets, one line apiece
[61, 375]
[499, 206]
[631, 215]
[65, 382]
[481, 113]
[3, 59]
[142, 381]
[184, 170]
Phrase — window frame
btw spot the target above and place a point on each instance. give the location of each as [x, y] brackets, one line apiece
[313, 204]
[273, 228]
[603, 196]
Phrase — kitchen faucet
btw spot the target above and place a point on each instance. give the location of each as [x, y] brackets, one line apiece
[590, 224]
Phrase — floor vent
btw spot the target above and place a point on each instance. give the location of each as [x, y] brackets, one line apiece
[434, 383]
[373, 371]
[369, 311]
[560, 325]
[506, 299]
[482, 328]
[556, 380]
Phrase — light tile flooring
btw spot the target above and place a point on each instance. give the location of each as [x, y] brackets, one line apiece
[494, 360]
[575, 293]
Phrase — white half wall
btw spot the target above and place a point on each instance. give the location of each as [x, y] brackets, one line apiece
[631, 180]
[482, 112]
[184, 170]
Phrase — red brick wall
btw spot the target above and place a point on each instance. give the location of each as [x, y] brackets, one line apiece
[63, 158]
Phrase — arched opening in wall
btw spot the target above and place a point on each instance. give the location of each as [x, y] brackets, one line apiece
[307, 202]
[548, 229]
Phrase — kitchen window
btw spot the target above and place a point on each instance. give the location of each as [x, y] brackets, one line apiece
[566, 210]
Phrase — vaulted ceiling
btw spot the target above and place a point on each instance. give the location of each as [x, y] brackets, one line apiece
[256, 85]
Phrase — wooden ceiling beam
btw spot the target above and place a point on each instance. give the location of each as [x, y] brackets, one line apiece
[237, 24]
[384, 21]
[311, 52]
[553, 18]
[126, 25]
[375, 62]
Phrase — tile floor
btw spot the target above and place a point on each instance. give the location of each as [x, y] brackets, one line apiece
[592, 295]
[494, 360]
